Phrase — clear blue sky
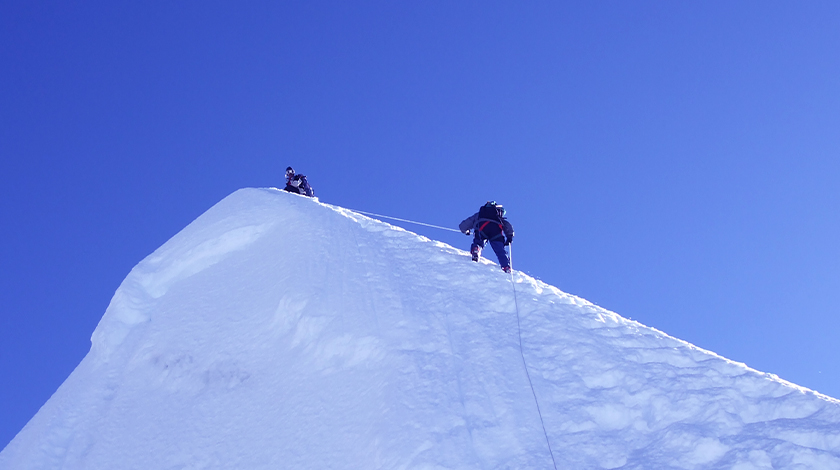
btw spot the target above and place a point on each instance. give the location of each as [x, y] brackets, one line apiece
[676, 162]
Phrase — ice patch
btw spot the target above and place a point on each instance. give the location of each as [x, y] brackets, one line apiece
[134, 301]
[167, 268]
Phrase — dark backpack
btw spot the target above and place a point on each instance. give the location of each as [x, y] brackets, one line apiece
[489, 222]
[491, 211]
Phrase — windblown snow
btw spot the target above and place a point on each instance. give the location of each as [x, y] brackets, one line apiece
[279, 332]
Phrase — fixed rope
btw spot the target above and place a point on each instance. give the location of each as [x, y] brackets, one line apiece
[522, 353]
[406, 220]
[518, 324]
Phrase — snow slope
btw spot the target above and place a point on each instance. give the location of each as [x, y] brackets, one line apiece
[278, 332]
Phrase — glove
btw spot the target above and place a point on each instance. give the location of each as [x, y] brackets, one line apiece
[467, 232]
[508, 241]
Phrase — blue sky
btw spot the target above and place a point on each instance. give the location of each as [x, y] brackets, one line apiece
[675, 162]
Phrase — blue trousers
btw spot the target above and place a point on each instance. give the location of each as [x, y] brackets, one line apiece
[498, 246]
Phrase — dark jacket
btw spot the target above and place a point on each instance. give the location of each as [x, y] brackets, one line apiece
[487, 227]
[298, 184]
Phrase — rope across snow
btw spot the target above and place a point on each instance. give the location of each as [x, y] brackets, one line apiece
[525, 364]
[518, 326]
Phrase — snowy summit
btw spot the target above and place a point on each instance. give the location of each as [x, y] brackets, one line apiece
[258, 339]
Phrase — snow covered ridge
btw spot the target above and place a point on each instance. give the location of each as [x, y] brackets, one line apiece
[279, 332]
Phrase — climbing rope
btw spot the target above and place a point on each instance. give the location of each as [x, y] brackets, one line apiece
[518, 325]
[522, 353]
[409, 221]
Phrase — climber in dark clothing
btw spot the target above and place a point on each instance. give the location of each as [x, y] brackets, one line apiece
[489, 224]
[297, 183]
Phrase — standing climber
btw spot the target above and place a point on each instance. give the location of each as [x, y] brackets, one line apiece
[489, 224]
[297, 183]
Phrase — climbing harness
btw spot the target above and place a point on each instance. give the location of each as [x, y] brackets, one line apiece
[409, 221]
[522, 353]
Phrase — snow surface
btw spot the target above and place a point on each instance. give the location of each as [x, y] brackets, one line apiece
[279, 332]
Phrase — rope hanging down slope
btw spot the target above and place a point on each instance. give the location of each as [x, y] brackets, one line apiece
[518, 326]
[522, 352]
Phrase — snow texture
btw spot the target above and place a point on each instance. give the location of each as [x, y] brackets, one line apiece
[279, 332]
